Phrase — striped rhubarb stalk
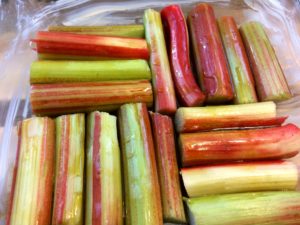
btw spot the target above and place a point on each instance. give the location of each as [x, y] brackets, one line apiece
[63, 43]
[32, 185]
[261, 114]
[103, 171]
[238, 61]
[142, 194]
[88, 71]
[240, 177]
[246, 208]
[232, 145]
[270, 81]
[55, 99]
[68, 207]
[163, 134]
[176, 32]
[130, 30]
[164, 94]
[209, 54]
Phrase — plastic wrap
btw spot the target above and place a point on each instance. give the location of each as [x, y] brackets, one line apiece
[19, 20]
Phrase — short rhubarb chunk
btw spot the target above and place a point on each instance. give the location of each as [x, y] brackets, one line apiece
[32, 183]
[163, 134]
[271, 84]
[142, 193]
[57, 99]
[63, 43]
[272, 208]
[209, 55]
[233, 145]
[164, 94]
[240, 177]
[262, 114]
[103, 171]
[68, 196]
[176, 32]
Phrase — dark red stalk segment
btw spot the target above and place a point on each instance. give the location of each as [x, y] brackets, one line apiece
[233, 145]
[63, 43]
[179, 56]
[209, 54]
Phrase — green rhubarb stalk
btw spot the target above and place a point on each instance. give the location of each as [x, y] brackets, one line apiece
[85, 71]
[32, 186]
[240, 177]
[259, 208]
[131, 30]
[142, 193]
[271, 84]
[68, 196]
[103, 171]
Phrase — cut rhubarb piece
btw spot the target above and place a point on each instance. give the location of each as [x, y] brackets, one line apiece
[164, 94]
[209, 55]
[68, 207]
[240, 177]
[87, 71]
[176, 32]
[32, 185]
[103, 171]
[142, 193]
[130, 30]
[56, 99]
[63, 43]
[241, 74]
[233, 145]
[270, 81]
[262, 208]
[228, 116]
[163, 134]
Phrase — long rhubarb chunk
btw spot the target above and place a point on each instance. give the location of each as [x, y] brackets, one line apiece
[272, 208]
[176, 32]
[163, 134]
[209, 54]
[88, 71]
[191, 119]
[241, 74]
[270, 81]
[130, 30]
[56, 99]
[142, 194]
[32, 185]
[240, 177]
[68, 196]
[232, 145]
[164, 94]
[103, 171]
[63, 43]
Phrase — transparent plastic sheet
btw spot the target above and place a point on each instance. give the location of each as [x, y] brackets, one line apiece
[19, 20]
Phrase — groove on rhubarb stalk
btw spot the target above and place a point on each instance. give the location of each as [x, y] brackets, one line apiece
[142, 194]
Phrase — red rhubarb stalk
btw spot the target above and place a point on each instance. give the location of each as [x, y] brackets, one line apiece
[179, 56]
[209, 55]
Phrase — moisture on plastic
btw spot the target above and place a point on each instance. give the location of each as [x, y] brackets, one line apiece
[20, 20]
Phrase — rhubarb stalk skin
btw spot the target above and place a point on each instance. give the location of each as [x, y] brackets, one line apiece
[103, 171]
[187, 90]
[163, 135]
[68, 195]
[32, 185]
[271, 84]
[235, 145]
[164, 94]
[209, 55]
[142, 193]
[241, 74]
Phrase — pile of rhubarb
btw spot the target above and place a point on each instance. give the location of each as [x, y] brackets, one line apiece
[133, 128]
